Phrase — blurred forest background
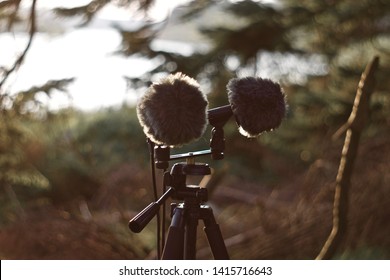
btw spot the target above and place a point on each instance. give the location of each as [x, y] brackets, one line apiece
[70, 180]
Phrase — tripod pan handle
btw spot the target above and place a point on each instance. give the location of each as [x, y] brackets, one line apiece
[139, 222]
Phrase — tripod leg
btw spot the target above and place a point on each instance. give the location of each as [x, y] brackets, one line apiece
[214, 235]
[174, 246]
[192, 216]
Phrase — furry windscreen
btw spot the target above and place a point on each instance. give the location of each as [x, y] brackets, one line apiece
[258, 104]
[173, 111]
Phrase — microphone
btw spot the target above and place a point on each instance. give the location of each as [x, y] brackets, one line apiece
[173, 111]
[257, 104]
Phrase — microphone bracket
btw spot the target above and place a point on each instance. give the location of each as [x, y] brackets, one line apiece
[163, 155]
[217, 143]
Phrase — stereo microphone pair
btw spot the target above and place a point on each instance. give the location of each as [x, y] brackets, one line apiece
[174, 111]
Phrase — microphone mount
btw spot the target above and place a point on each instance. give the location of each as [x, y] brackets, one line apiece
[217, 145]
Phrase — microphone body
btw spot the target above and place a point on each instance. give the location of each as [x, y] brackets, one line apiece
[217, 117]
[173, 111]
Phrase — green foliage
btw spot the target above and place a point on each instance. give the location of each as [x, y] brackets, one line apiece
[109, 137]
[16, 138]
[79, 149]
[14, 170]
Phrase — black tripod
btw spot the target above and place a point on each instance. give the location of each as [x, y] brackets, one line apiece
[182, 234]
[181, 239]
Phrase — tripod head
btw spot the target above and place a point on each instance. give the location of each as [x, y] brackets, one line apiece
[177, 180]
[178, 189]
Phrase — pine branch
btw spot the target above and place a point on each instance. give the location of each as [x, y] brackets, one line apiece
[47, 87]
[355, 124]
[21, 58]
[23, 98]
[88, 11]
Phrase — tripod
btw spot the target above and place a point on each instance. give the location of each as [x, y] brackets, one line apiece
[181, 240]
[182, 234]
